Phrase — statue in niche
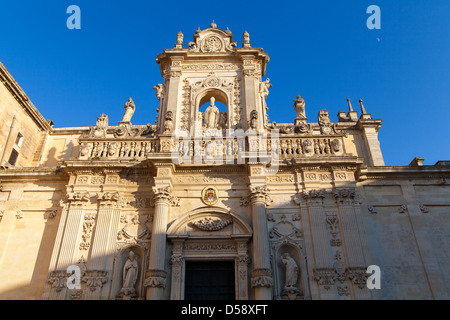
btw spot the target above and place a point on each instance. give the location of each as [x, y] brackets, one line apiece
[130, 274]
[212, 115]
[129, 110]
[291, 270]
[290, 290]
[254, 119]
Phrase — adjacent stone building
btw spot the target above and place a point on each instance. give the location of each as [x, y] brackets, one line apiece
[214, 200]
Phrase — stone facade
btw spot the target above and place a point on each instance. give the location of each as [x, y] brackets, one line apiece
[302, 208]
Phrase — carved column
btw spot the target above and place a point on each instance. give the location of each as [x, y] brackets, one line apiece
[176, 260]
[67, 239]
[156, 275]
[103, 243]
[262, 279]
[323, 271]
[347, 200]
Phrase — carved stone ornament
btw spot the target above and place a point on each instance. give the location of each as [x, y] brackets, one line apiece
[78, 198]
[260, 193]
[155, 279]
[108, 199]
[212, 40]
[210, 195]
[359, 276]
[165, 194]
[325, 277]
[58, 279]
[211, 224]
[346, 196]
[314, 197]
[94, 279]
[261, 278]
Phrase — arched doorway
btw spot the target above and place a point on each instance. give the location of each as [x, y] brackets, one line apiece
[214, 235]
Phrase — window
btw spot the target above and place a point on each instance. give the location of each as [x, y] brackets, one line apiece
[19, 140]
[13, 157]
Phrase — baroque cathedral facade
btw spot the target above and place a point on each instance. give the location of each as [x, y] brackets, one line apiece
[213, 200]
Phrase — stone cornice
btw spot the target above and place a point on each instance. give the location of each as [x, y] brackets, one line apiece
[395, 172]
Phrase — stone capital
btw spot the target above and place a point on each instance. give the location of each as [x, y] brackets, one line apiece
[261, 278]
[155, 279]
[164, 195]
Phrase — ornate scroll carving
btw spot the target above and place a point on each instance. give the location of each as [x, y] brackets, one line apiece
[211, 224]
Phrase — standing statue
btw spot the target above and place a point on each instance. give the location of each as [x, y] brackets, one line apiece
[291, 271]
[159, 88]
[264, 88]
[264, 92]
[299, 106]
[129, 110]
[130, 274]
[212, 115]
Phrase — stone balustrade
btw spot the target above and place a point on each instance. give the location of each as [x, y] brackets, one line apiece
[226, 148]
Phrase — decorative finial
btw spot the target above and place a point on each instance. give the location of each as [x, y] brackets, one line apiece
[350, 108]
[213, 25]
[363, 110]
[246, 42]
[179, 43]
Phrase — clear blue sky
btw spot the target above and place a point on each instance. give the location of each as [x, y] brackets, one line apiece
[319, 49]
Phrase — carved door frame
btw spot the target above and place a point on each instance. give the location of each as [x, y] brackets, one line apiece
[227, 246]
